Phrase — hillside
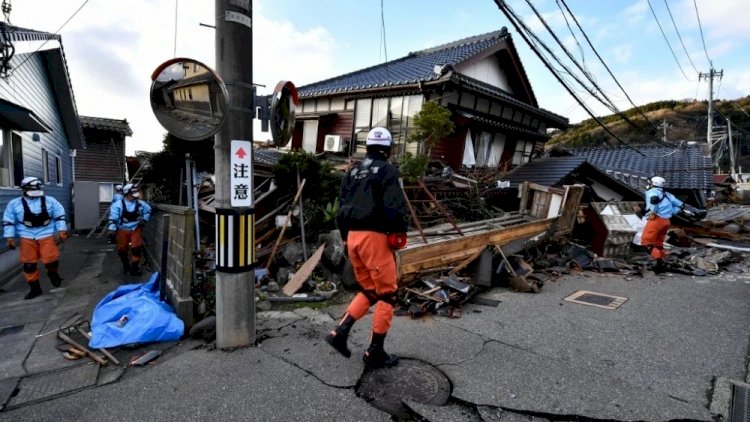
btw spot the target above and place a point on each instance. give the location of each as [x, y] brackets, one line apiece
[686, 121]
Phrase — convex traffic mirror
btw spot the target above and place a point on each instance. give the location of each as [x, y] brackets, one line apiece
[188, 99]
[283, 103]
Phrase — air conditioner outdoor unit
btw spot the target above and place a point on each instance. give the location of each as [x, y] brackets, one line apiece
[333, 143]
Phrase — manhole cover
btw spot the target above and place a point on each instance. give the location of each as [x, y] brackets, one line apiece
[600, 300]
[42, 386]
[411, 379]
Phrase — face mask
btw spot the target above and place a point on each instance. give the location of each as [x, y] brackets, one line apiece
[34, 193]
[136, 195]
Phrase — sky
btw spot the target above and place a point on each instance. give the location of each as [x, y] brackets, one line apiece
[112, 47]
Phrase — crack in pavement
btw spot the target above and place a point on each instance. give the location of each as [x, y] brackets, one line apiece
[311, 373]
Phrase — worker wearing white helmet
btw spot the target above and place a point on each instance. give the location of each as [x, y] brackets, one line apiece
[126, 220]
[372, 220]
[117, 196]
[39, 221]
[659, 207]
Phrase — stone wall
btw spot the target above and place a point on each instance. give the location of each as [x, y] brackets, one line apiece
[180, 257]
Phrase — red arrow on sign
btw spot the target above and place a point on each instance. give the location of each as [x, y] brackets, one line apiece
[240, 153]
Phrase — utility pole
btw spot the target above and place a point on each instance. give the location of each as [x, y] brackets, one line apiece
[710, 76]
[732, 167]
[664, 125]
[235, 278]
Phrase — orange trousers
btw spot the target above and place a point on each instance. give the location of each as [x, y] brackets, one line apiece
[375, 269]
[33, 250]
[132, 239]
[653, 236]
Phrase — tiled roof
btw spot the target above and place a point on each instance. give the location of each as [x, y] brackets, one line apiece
[683, 166]
[415, 67]
[15, 33]
[269, 157]
[507, 127]
[112, 125]
[548, 171]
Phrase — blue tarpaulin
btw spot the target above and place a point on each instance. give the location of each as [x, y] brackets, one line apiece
[134, 314]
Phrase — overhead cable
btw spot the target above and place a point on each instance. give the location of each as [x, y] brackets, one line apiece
[513, 18]
[667, 40]
[679, 36]
[46, 41]
[700, 27]
[591, 45]
[612, 105]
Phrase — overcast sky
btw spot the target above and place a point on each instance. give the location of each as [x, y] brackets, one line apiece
[113, 46]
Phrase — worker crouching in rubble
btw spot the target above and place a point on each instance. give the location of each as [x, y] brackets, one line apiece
[372, 221]
[660, 206]
[126, 220]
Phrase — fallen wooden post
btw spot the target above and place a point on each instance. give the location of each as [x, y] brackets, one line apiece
[286, 222]
[75, 344]
[466, 262]
[105, 352]
[303, 273]
[414, 216]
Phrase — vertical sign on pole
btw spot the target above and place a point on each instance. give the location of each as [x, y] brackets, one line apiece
[235, 238]
[241, 174]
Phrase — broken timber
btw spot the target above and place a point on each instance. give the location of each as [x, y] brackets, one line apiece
[544, 212]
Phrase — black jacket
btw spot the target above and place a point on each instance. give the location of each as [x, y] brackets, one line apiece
[372, 198]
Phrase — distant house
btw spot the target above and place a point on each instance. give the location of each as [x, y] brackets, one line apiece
[687, 168]
[480, 79]
[98, 168]
[39, 124]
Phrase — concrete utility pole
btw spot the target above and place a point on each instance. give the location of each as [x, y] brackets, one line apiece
[732, 164]
[235, 282]
[710, 76]
[664, 125]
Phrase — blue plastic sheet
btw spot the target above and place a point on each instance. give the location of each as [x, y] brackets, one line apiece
[134, 314]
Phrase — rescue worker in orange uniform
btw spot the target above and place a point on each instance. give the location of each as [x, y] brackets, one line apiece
[660, 206]
[372, 221]
[39, 221]
[126, 220]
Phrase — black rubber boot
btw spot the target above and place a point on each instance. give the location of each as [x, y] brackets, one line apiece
[659, 267]
[134, 270]
[376, 357]
[339, 336]
[125, 261]
[55, 279]
[34, 290]
[52, 273]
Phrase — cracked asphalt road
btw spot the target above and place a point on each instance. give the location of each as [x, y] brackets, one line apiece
[534, 357]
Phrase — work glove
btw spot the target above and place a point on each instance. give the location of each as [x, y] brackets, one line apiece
[112, 237]
[11, 243]
[61, 237]
[141, 222]
[397, 240]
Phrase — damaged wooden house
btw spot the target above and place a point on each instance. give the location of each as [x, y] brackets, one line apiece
[480, 79]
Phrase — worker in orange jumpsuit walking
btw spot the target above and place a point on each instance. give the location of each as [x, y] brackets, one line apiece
[660, 207]
[372, 221]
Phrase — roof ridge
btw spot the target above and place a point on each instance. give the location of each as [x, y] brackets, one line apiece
[463, 41]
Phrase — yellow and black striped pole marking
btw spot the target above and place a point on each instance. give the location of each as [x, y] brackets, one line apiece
[235, 240]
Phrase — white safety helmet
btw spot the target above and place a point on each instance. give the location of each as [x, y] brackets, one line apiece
[31, 183]
[658, 182]
[127, 189]
[379, 136]
[118, 188]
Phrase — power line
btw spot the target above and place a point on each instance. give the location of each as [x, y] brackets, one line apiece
[55, 33]
[591, 45]
[583, 58]
[611, 104]
[382, 23]
[513, 18]
[668, 44]
[679, 36]
[700, 27]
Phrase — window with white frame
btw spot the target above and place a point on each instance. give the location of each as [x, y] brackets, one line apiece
[395, 113]
[11, 158]
[523, 152]
[488, 149]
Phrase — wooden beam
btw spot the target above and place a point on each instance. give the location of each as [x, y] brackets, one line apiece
[303, 273]
[286, 222]
[466, 262]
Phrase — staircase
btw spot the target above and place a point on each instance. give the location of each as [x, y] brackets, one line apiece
[101, 225]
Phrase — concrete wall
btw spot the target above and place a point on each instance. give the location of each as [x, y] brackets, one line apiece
[180, 258]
